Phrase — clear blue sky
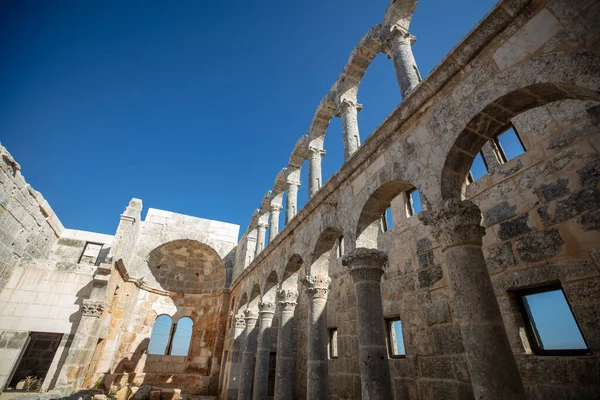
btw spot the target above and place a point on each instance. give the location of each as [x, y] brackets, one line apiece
[192, 106]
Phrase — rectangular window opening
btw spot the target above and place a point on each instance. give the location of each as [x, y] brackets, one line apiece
[387, 222]
[395, 338]
[414, 202]
[90, 254]
[478, 167]
[340, 247]
[509, 144]
[550, 323]
[332, 346]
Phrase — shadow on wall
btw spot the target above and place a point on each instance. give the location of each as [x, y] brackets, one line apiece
[75, 320]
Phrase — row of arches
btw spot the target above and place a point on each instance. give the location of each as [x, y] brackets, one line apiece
[390, 38]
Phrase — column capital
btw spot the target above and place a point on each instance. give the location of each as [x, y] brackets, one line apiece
[240, 322]
[365, 264]
[344, 104]
[287, 299]
[275, 208]
[400, 34]
[317, 286]
[263, 225]
[314, 152]
[250, 315]
[266, 307]
[454, 223]
[292, 182]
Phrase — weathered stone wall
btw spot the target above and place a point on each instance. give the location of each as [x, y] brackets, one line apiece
[28, 226]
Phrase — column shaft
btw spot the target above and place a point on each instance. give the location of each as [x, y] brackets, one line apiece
[236, 358]
[492, 366]
[274, 221]
[291, 203]
[261, 372]
[366, 269]
[348, 112]
[314, 170]
[260, 238]
[400, 50]
[317, 385]
[286, 342]
[248, 356]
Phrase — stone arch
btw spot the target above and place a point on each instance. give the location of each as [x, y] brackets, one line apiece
[241, 304]
[400, 12]
[494, 119]
[160, 336]
[539, 81]
[297, 159]
[187, 266]
[270, 286]
[254, 298]
[326, 243]
[289, 275]
[368, 226]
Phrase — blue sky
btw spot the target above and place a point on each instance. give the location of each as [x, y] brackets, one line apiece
[192, 106]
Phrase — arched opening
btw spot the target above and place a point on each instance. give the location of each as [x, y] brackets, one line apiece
[182, 337]
[493, 121]
[161, 335]
[290, 277]
[187, 266]
[391, 203]
[326, 251]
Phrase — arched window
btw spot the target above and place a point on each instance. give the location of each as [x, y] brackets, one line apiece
[161, 335]
[182, 337]
[171, 339]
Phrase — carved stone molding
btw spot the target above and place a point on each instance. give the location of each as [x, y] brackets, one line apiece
[294, 183]
[266, 307]
[454, 223]
[317, 286]
[287, 299]
[92, 308]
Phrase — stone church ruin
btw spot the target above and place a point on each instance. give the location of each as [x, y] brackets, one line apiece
[359, 295]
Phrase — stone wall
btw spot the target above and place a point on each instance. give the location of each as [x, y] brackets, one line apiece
[28, 226]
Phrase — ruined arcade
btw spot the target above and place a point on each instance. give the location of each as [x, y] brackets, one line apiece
[358, 295]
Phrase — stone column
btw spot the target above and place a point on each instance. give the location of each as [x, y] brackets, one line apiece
[286, 343]
[491, 156]
[456, 226]
[348, 112]
[261, 371]
[274, 221]
[236, 357]
[248, 356]
[317, 385]
[314, 170]
[261, 232]
[291, 202]
[366, 269]
[400, 51]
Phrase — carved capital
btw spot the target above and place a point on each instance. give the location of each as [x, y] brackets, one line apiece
[275, 208]
[345, 104]
[240, 322]
[292, 183]
[365, 264]
[92, 308]
[314, 152]
[317, 286]
[401, 35]
[263, 225]
[266, 307]
[250, 315]
[454, 223]
[287, 299]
